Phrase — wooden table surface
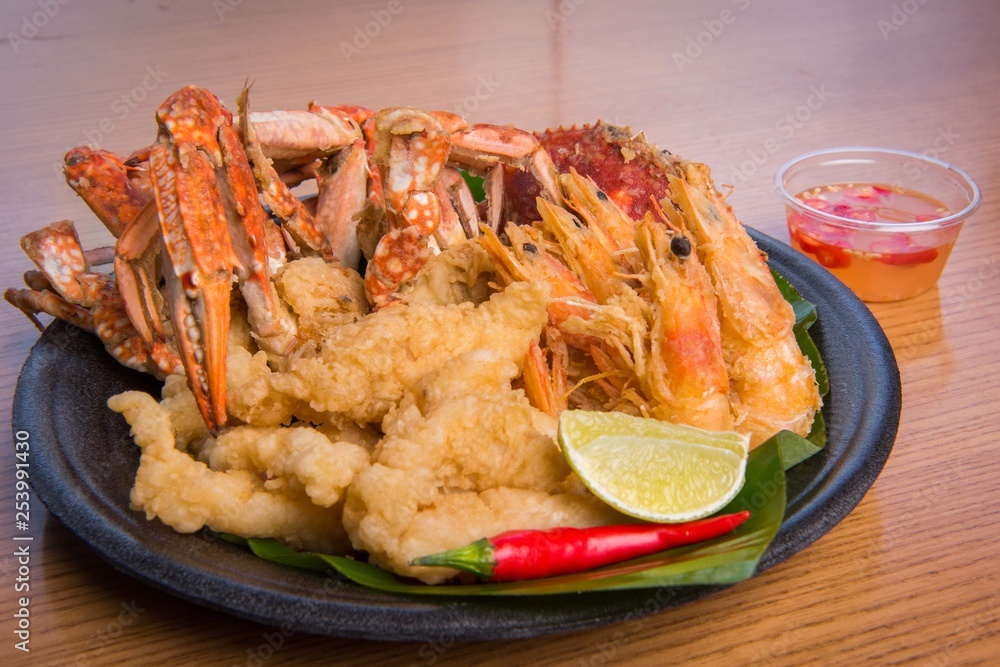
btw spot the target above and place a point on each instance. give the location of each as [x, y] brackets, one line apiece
[910, 576]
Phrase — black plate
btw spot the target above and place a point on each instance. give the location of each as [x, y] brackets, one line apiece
[84, 462]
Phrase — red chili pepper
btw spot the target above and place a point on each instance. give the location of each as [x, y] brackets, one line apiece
[832, 257]
[532, 554]
[921, 256]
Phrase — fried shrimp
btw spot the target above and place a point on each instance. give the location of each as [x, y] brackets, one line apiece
[773, 383]
[188, 495]
[464, 456]
[686, 375]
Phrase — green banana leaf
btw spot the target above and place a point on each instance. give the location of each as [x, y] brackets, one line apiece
[805, 316]
[475, 184]
[795, 448]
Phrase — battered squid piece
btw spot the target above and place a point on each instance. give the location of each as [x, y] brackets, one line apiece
[459, 274]
[294, 459]
[323, 296]
[176, 397]
[464, 456]
[187, 495]
[363, 369]
[182, 409]
[251, 399]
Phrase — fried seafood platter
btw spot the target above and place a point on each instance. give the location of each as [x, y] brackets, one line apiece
[379, 369]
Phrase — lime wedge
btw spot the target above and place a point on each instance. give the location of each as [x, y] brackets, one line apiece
[651, 469]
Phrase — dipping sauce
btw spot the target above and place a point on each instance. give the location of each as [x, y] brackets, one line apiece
[877, 263]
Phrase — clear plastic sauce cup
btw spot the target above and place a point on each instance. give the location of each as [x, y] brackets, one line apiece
[882, 221]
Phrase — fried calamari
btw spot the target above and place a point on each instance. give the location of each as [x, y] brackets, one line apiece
[464, 456]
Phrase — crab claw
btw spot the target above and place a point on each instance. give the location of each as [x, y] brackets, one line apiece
[116, 193]
[186, 163]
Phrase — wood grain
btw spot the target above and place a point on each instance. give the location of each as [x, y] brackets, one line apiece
[909, 577]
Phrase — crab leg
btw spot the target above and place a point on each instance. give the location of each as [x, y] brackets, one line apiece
[199, 259]
[135, 269]
[487, 149]
[299, 137]
[121, 197]
[102, 179]
[31, 302]
[273, 327]
[106, 319]
[88, 300]
[371, 224]
[343, 196]
[412, 148]
[494, 185]
[449, 230]
[343, 114]
[57, 253]
[212, 224]
[277, 195]
[453, 187]
[101, 255]
[459, 217]
[482, 147]
[331, 231]
[113, 327]
[398, 257]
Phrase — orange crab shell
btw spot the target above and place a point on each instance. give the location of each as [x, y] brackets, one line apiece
[626, 166]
